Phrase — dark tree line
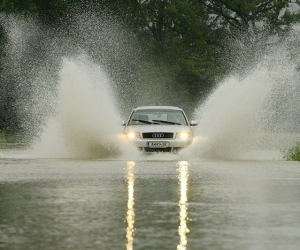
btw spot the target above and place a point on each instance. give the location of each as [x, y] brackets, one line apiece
[194, 41]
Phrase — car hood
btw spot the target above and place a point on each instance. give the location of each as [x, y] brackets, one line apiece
[157, 128]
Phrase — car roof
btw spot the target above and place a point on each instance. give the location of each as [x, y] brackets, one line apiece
[157, 107]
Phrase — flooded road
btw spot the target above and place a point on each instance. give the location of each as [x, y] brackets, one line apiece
[149, 204]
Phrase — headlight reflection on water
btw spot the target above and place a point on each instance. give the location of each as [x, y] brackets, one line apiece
[183, 175]
[130, 217]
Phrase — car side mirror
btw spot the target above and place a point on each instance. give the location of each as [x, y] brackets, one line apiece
[123, 123]
[193, 123]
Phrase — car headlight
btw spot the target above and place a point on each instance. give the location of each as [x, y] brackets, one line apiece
[133, 135]
[184, 135]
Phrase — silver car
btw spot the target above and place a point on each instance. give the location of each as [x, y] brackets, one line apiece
[159, 128]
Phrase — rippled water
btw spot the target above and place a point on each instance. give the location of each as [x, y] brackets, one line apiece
[149, 204]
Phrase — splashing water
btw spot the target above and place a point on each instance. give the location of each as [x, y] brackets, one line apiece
[254, 116]
[73, 110]
[87, 121]
[250, 116]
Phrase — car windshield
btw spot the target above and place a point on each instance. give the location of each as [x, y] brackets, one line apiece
[158, 116]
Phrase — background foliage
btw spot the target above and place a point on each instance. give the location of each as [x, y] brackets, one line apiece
[193, 42]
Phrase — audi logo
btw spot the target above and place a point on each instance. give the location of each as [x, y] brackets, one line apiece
[158, 135]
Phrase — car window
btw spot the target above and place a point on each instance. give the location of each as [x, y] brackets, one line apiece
[162, 117]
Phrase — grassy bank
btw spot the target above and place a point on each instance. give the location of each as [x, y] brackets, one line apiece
[2, 140]
[293, 153]
[9, 141]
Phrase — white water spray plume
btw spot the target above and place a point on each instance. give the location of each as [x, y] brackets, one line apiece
[72, 108]
[87, 123]
[255, 115]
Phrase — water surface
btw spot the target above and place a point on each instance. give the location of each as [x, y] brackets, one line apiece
[149, 204]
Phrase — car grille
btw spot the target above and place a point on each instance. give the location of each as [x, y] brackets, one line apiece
[158, 135]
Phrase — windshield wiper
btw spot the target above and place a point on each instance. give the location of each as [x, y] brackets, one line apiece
[173, 123]
[143, 121]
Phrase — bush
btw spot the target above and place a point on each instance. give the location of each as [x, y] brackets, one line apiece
[2, 139]
[292, 154]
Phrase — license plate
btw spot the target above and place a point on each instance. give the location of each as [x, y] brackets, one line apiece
[158, 144]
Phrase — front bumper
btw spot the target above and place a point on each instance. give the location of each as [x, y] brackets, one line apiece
[175, 144]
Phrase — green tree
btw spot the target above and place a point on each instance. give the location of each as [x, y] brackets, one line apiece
[247, 15]
[25, 7]
[178, 36]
